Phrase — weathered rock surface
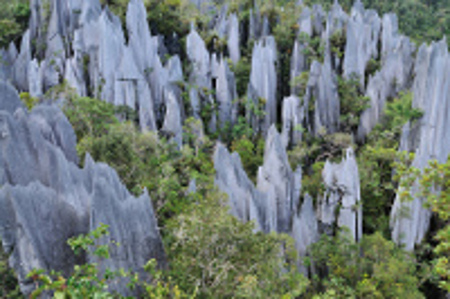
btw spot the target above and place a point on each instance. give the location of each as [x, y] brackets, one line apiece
[429, 138]
[46, 198]
[322, 89]
[395, 74]
[342, 193]
[305, 230]
[276, 178]
[172, 121]
[226, 95]
[233, 41]
[263, 83]
[363, 31]
[10, 98]
[293, 115]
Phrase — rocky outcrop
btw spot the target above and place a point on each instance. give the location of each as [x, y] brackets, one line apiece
[46, 198]
[263, 85]
[395, 75]
[173, 127]
[233, 41]
[428, 138]
[10, 98]
[363, 31]
[305, 230]
[276, 179]
[342, 199]
[293, 115]
[322, 94]
[226, 95]
[299, 60]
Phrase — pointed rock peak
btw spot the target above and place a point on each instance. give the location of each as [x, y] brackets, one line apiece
[9, 98]
[308, 204]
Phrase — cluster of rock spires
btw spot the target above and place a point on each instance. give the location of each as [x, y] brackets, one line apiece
[274, 203]
[86, 46]
[428, 138]
[46, 198]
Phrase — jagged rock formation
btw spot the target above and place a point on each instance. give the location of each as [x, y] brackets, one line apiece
[226, 95]
[293, 115]
[305, 229]
[86, 45]
[275, 178]
[321, 91]
[232, 180]
[262, 89]
[46, 198]
[429, 137]
[275, 203]
[342, 195]
[395, 74]
[363, 31]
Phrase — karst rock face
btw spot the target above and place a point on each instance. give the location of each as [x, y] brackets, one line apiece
[428, 137]
[262, 88]
[82, 43]
[46, 198]
[342, 199]
[277, 204]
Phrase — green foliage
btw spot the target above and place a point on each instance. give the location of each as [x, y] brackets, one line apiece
[212, 251]
[89, 117]
[314, 48]
[285, 31]
[85, 281]
[399, 111]
[13, 21]
[251, 154]
[377, 161]
[337, 43]
[434, 182]
[300, 83]
[242, 75]
[28, 100]
[372, 268]
[9, 287]
[353, 103]
[422, 20]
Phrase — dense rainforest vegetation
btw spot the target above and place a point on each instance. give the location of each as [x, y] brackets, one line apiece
[213, 255]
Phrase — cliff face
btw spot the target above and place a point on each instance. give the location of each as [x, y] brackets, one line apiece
[44, 190]
[428, 138]
[46, 198]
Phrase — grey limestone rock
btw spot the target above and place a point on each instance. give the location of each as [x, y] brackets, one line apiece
[233, 41]
[35, 79]
[226, 95]
[10, 98]
[172, 121]
[74, 75]
[55, 128]
[46, 198]
[276, 179]
[246, 202]
[21, 64]
[305, 230]
[322, 87]
[7, 58]
[395, 74]
[343, 193]
[363, 31]
[263, 81]
[429, 138]
[200, 60]
[318, 18]
[232, 179]
[293, 117]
